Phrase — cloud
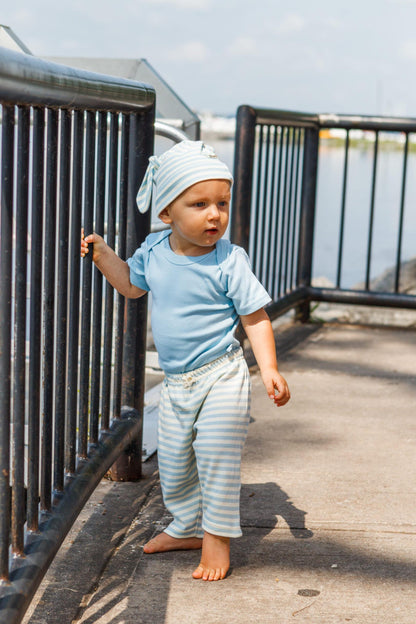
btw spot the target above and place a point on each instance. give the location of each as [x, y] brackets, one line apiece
[407, 50]
[242, 46]
[184, 4]
[334, 23]
[21, 16]
[291, 23]
[193, 51]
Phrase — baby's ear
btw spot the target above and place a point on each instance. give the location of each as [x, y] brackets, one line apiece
[165, 216]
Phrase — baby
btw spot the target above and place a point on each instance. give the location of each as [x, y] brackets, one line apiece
[201, 286]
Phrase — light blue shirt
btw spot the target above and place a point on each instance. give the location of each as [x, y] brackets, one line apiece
[196, 301]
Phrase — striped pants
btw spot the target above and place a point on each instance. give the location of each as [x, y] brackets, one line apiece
[203, 422]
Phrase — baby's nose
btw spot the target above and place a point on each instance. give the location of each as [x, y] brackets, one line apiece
[213, 211]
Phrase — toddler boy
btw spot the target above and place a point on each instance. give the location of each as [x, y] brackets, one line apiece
[201, 286]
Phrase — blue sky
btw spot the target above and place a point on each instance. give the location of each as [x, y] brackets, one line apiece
[321, 56]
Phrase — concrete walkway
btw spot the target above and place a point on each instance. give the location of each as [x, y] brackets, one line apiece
[328, 507]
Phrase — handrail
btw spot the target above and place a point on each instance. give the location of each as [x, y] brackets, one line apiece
[279, 117]
[368, 122]
[38, 82]
[42, 547]
[277, 154]
[266, 116]
[74, 148]
[169, 132]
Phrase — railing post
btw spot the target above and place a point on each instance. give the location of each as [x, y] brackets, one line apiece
[129, 465]
[243, 172]
[307, 217]
[243, 184]
[6, 252]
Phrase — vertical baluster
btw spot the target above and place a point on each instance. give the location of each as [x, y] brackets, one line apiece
[343, 202]
[307, 214]
[138, 226]
[6, 216]
[272, 214]
[284, 214]
[84, 375]
[35, 341]
[276, 246]
[371, 219]
[289, 212]
[109, 291]
[295, 229]
[19, 370]
[48, 308]
[77, 155]
[401, 217]
[122, 229]
[243, 170]
[256, 216]
[264, 226]
[129, 465]
[62, 302]
[98, 281]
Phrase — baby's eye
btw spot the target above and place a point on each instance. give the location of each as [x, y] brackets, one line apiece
[200, 204]
[223, 204]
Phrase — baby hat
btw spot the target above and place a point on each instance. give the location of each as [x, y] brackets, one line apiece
[169, 175]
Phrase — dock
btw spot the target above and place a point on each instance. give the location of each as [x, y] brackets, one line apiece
[327, 506]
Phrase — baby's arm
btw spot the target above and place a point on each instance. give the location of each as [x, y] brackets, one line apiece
[114, 269]
[260, 334]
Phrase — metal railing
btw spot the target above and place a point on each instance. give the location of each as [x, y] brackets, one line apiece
[274, 205]
[74, 147]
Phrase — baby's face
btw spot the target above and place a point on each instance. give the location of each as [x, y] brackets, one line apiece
[199, 217]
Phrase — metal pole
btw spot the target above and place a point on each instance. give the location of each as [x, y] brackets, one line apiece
[109, 290]
[243, 171]
[62, 305]
[97, 284]
[48, 317]
[77, 153]
[129, 465]
[307, 217]
[6, 238]
[19, 368]
[35, 340]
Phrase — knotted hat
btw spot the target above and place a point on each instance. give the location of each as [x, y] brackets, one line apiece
[169, 175]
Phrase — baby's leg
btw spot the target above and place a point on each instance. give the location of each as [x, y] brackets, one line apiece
[215, 559]
[221, 432]
[177, 470]
[164, 542]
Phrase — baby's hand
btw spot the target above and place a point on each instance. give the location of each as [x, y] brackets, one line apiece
[97, 242]
[84, 245]
[276, 387]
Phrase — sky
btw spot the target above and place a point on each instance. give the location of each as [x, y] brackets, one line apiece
[321, 56]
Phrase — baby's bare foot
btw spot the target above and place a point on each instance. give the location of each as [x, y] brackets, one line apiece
[164, 542]
[215, 559]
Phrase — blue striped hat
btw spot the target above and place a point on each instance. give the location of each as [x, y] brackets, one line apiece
[169, 175]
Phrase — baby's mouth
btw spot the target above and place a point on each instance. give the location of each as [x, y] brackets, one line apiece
[212, 230]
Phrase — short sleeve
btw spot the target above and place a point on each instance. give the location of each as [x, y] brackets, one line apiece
[243, 288]
[137, 264]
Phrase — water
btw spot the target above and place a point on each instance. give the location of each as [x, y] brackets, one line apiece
[358, 201]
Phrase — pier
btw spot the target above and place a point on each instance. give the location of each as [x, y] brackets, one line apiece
[328, 481]
[327, 505]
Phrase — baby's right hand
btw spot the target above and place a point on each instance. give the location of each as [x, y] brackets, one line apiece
[84, 245]
[97, 242]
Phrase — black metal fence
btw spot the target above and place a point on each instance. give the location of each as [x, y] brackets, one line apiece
[74, 146]
[274, 205]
